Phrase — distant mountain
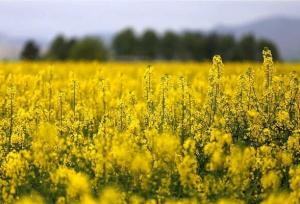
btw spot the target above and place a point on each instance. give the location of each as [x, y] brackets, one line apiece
[283, 31]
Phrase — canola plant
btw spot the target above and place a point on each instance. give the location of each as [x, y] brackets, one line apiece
[159, 133]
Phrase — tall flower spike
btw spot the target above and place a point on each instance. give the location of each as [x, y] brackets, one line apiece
[147, 79]
[268, 67]
[215, 85]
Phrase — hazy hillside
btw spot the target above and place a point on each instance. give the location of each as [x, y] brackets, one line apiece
[284, 31]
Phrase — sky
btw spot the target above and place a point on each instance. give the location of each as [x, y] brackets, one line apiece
[46, 18]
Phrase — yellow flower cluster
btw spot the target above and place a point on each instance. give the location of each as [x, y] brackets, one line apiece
[177, 132]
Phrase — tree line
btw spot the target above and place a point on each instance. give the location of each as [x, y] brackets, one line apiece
[127, 45]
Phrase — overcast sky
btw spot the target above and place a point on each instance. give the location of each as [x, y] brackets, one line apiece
[46, 18]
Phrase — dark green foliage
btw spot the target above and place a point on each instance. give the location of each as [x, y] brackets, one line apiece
[125, 43]
[148, 45]
[248, 48]
[89, 48]
[60, 48]
[169, 45]
[211, 47]
[30, 51]
[188, 45]
[192, 46]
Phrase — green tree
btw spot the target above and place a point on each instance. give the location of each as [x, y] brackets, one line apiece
[169, 46]
[248, 47]
[192, 46]
[227, 46]
[89, 48]
[211, 47]
[30, 51]
[60, 48]
[125, 43]
[149, 45]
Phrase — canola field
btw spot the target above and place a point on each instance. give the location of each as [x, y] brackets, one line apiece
[114, 133]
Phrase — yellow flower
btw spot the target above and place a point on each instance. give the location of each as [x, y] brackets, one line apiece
[111, 195]
[141, 163]
[270, 180]
[282, 116]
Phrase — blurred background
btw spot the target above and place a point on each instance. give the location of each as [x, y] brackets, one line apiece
[148, 30]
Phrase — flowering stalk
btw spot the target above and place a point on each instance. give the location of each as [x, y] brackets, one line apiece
[269, 71]
[215, 85]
